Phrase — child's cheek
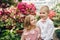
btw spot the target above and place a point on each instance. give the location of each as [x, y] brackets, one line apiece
[32, 23]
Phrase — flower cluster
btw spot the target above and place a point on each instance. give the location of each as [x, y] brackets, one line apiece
[1, 11]
[26, 8]
[52, 14]
[15, 15]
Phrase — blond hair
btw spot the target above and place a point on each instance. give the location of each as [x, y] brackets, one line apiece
[27, 22]
[45, 8]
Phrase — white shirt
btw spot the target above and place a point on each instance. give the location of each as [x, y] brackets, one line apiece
[47, 29]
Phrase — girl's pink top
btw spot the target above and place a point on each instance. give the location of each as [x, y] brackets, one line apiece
[33, 34]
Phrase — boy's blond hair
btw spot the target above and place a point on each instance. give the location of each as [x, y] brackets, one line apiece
[45, 8]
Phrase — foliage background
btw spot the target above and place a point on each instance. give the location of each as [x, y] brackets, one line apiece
[10, 26]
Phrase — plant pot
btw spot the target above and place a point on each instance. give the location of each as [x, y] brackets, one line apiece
[19, 32]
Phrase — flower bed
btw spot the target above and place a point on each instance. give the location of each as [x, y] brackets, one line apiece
[12, 19]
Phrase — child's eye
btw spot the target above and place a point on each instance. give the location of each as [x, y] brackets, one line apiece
[31, 20]
[43, 12]
[40, 13]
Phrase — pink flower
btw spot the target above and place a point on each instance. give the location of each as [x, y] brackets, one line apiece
[26, 8]
[1, 11]
[52, 14]
[21, 5]
[7, 11]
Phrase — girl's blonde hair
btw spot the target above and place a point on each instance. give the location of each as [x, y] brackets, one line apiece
[27, 22]
[45, 8]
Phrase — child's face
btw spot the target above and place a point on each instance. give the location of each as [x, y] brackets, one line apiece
[33, 20]
[43, 14]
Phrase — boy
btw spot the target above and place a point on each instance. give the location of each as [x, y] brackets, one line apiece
[45, 24]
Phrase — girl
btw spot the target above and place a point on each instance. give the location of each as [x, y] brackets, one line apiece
[31, 32]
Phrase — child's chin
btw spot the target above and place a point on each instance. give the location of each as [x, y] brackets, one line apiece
[34, 24]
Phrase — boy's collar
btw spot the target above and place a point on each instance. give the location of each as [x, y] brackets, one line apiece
[44, 20]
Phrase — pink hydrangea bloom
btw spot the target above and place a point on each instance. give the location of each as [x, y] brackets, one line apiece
[52, 14]
[26, 8]
[0, 11]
